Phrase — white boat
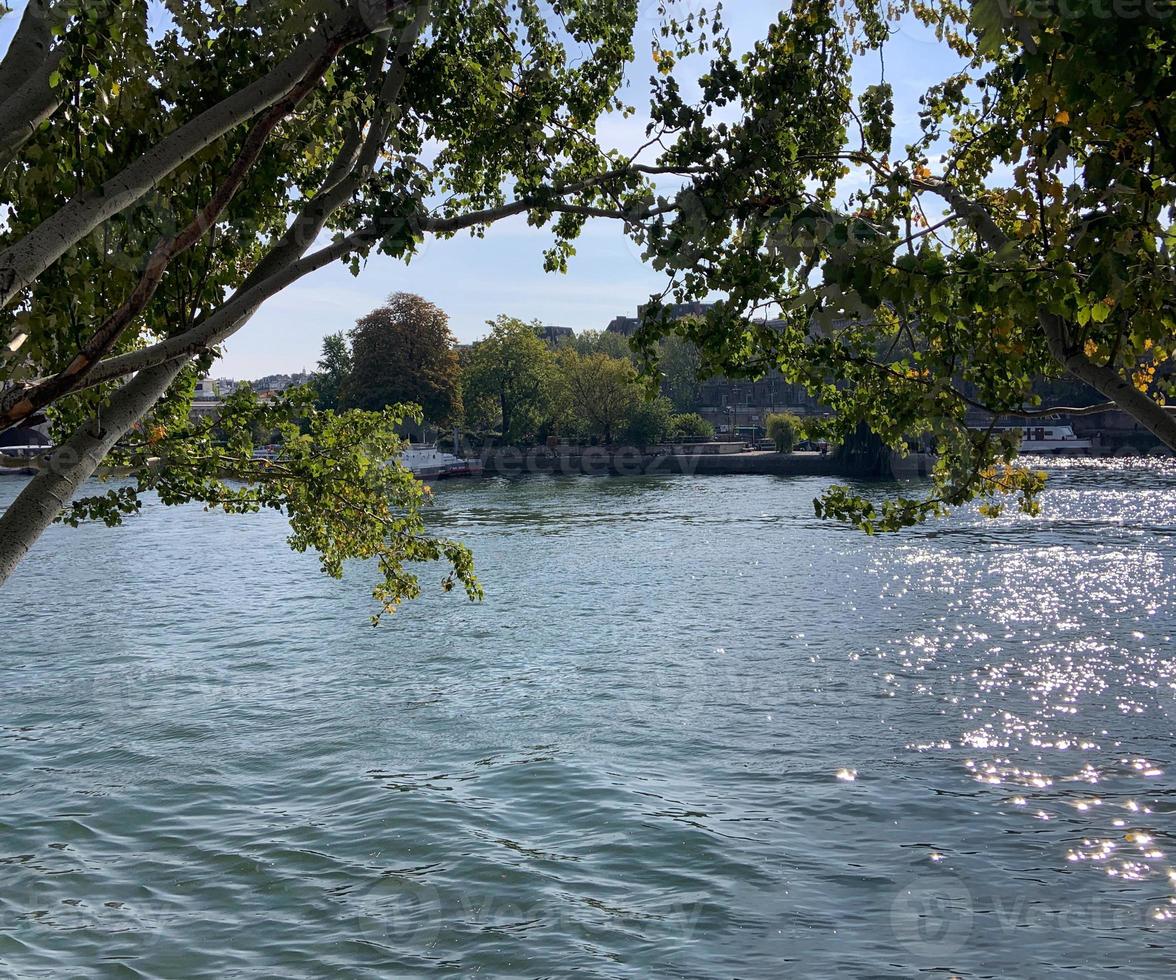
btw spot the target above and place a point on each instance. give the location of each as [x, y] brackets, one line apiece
[430, 463]
[1052, 438]
[28, 451]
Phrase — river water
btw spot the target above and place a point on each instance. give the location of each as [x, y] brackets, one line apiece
[691, 732]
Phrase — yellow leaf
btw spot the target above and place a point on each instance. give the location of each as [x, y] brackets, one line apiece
[1062, 118]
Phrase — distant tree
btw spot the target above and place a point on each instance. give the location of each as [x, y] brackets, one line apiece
[599, 342]
[690, 425]
[679, 362]
[649, 421]
[402, 353]
[600, 392]
[507, 380]
[782, 430]
[333, 368]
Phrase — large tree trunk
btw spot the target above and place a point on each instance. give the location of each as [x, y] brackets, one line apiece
[1109, 383]
[28, 49]
[73, 462]
[26, 99]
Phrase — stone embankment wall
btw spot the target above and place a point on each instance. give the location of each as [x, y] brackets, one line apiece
[631, 461]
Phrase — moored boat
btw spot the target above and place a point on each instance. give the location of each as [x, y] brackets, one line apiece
[11, 454]
[1052, 438]
[430, 463]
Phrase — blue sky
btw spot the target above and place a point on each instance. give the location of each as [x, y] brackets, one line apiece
[474, 280]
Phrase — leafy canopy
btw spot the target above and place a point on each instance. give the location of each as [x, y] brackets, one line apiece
[508, 380]
[160, 178]
[403, 353]
[1025, 234]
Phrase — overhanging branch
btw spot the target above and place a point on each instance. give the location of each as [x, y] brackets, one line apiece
[71, 377]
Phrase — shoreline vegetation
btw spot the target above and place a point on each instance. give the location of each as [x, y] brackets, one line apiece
[621, 460]
[926, 262]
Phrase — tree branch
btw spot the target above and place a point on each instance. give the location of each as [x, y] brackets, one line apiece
[1107, 381]
[1102, 378]
[356, 160]
[28, 50]
[234, 313]
[226, 319]
[23, 404]
[26, 259]
[26, 100]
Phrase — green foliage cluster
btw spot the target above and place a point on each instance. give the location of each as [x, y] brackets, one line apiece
[783, 429]
[334, 477]
[689, 426]
[585, 389]
[509, 382]
[334, 367]
[402, 353]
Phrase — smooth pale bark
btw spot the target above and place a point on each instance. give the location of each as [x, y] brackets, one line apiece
[30, 105]
[1110, 383]
[22, 262]
[73, 462]
[28, 50]
[26, 100]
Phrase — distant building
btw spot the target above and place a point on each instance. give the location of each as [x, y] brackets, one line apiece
[279, 382]
[741, 407]
[204, 408]
[207, 390]
[553, 335]
[735, 407]
[627, 325]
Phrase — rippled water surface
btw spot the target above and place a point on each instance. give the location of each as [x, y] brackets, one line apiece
[691, 732]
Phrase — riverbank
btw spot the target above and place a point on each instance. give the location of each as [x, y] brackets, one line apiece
[511, 461]
[630, 461]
